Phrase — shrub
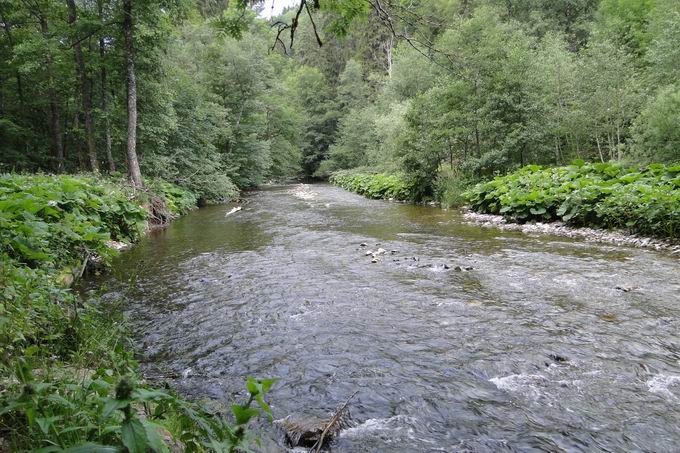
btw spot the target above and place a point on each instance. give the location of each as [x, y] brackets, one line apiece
[177, 199]
[59, 220]
[450, 186]
[68, 378]
[374, 185]
[642, 200]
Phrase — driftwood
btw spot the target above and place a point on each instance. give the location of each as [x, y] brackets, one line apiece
[313, 432]
[233, 210]
[334, 424]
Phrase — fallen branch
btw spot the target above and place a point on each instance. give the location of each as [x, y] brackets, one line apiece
[233, 210]
[332, 424]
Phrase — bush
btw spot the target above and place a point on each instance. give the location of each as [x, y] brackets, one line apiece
[57, 221]
[450, 186]
[67, 378]
[642, 200]
[177, 199]
[374, 185]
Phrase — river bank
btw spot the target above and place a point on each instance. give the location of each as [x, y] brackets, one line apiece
[68, 376]
[603, 202]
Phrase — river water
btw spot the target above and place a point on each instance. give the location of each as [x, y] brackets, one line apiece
[527, 345]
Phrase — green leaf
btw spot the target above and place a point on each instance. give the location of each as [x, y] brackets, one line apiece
[155, 441]
[243, 414]
[113, 405]
[45, 423]
[134, 436]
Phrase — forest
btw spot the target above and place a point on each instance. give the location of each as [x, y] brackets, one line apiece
[480, 87]
[119, 115]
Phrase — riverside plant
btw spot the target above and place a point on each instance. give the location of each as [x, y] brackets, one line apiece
[374, 185]
[68, 381]
[642, 200]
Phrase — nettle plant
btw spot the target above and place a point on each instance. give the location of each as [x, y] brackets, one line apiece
[105, 412]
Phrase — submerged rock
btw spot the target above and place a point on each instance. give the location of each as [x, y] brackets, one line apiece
[626, 289]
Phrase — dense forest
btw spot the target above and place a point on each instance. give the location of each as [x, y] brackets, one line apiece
[220, 99]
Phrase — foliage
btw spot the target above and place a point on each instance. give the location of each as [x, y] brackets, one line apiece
[178, 199]
[641, 200]
[450, 186]
[57, 221]
[374, 185]
[68, 378]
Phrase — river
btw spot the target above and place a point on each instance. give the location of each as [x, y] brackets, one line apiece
[458, 339]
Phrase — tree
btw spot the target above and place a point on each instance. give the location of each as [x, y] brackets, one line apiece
[85, 87]
[134, 173]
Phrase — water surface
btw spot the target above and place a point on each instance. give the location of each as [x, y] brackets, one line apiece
[532, 349]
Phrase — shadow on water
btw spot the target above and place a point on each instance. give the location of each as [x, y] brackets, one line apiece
[458, 339]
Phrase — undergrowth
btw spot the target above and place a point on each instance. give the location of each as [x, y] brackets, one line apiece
[68, 381]
[606, 195]
[374, 185]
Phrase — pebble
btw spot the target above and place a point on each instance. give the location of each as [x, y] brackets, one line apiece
[560, 229]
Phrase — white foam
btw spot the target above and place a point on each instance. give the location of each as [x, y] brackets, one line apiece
[303, 192]
[661, 383]
[398, 423]
[526, 384]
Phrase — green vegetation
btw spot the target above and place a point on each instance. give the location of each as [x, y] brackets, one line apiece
[197, 99]
[645, 201]
[67, 375]
[373, 185]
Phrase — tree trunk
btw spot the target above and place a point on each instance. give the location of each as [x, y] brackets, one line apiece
[619, 148]
[389, 47]
[134, 173]
[85, 90]
[599, 147]
[105, 98]
[57, 142]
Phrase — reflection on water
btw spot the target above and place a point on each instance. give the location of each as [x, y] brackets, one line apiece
[462, 339]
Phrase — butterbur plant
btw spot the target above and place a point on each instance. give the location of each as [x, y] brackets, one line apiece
[639, 200]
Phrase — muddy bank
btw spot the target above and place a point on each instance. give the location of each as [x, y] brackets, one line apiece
[560, 229]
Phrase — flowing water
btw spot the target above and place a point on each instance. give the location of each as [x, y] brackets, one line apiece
[527, 346]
